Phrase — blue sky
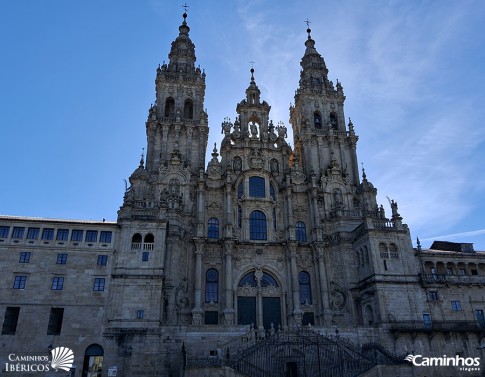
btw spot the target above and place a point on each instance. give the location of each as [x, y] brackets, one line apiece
[77, 79]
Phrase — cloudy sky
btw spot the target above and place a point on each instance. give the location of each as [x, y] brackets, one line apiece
[77, 79]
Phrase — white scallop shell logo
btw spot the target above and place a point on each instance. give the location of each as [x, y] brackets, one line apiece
[62, 358]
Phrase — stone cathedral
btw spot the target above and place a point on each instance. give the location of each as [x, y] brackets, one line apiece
[266, 260]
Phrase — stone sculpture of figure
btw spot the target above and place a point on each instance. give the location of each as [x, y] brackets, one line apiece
[174, 186]
[382, 213]
[237, 164]
[254, 129]
[274, 166]
[394, 209]
[337, 195]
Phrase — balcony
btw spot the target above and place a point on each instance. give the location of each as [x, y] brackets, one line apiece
[441, 279]
[437, 326]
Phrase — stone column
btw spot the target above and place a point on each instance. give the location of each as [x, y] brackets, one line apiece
[259, 304]
[289, 209]
[197, 311]
[228, 219]
[295, 287]
[164, 143]
[229, 309]
[322, 275]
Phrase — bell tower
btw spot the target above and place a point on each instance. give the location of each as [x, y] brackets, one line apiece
[177, 125]
[322, 139]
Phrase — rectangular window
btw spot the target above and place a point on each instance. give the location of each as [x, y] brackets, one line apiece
[102, 260]
[433, 296]
[98, 284]
[4, 230]
[474, 272]
[140, 314]
[11, 319]
[456, 306]
[91, 235]
[428, 324]
[449, 271]
[33, 233]
[211, 318]
[47, 234]
[61, 259]
[462, 271]
[145, 256]
[57, 283]
[18, 232]
[77, 235]
[24, 257]
[55, 321]
[105, 237]
[62, 234]
[19, 282]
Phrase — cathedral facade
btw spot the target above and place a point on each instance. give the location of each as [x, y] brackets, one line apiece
[262, 240]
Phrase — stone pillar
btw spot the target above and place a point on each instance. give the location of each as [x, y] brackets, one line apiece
[259, 304]
[200, 204]
[295, 287]
[228, 219]
[197, 311]
[289, 209]
[322, 276]
[229, 309]
[189, 143]
[164, 143]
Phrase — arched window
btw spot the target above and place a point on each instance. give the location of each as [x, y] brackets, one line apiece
[268, 281]
[300, 231]
[188, 109]
[211, 285]
[305, 288]
[334, 121]
[169, 108]
[136, 241]
[148, 242]
[257, 226]
[393, 251]
[256, 187]
[213, 228]
[383, 250]
[317, 119]
[248, 279]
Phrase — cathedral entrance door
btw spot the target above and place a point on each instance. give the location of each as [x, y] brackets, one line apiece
[259, 300]
[271, 312]
[246, 311]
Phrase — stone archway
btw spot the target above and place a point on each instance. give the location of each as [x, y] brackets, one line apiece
[259, 300]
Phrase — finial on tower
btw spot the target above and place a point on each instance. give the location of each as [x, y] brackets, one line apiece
[308, 30]
[185, 6]
[364, 177]
[252, 70]
[142, 159]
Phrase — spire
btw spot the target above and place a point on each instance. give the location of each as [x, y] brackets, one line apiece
[252, 92]
[182, 54]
